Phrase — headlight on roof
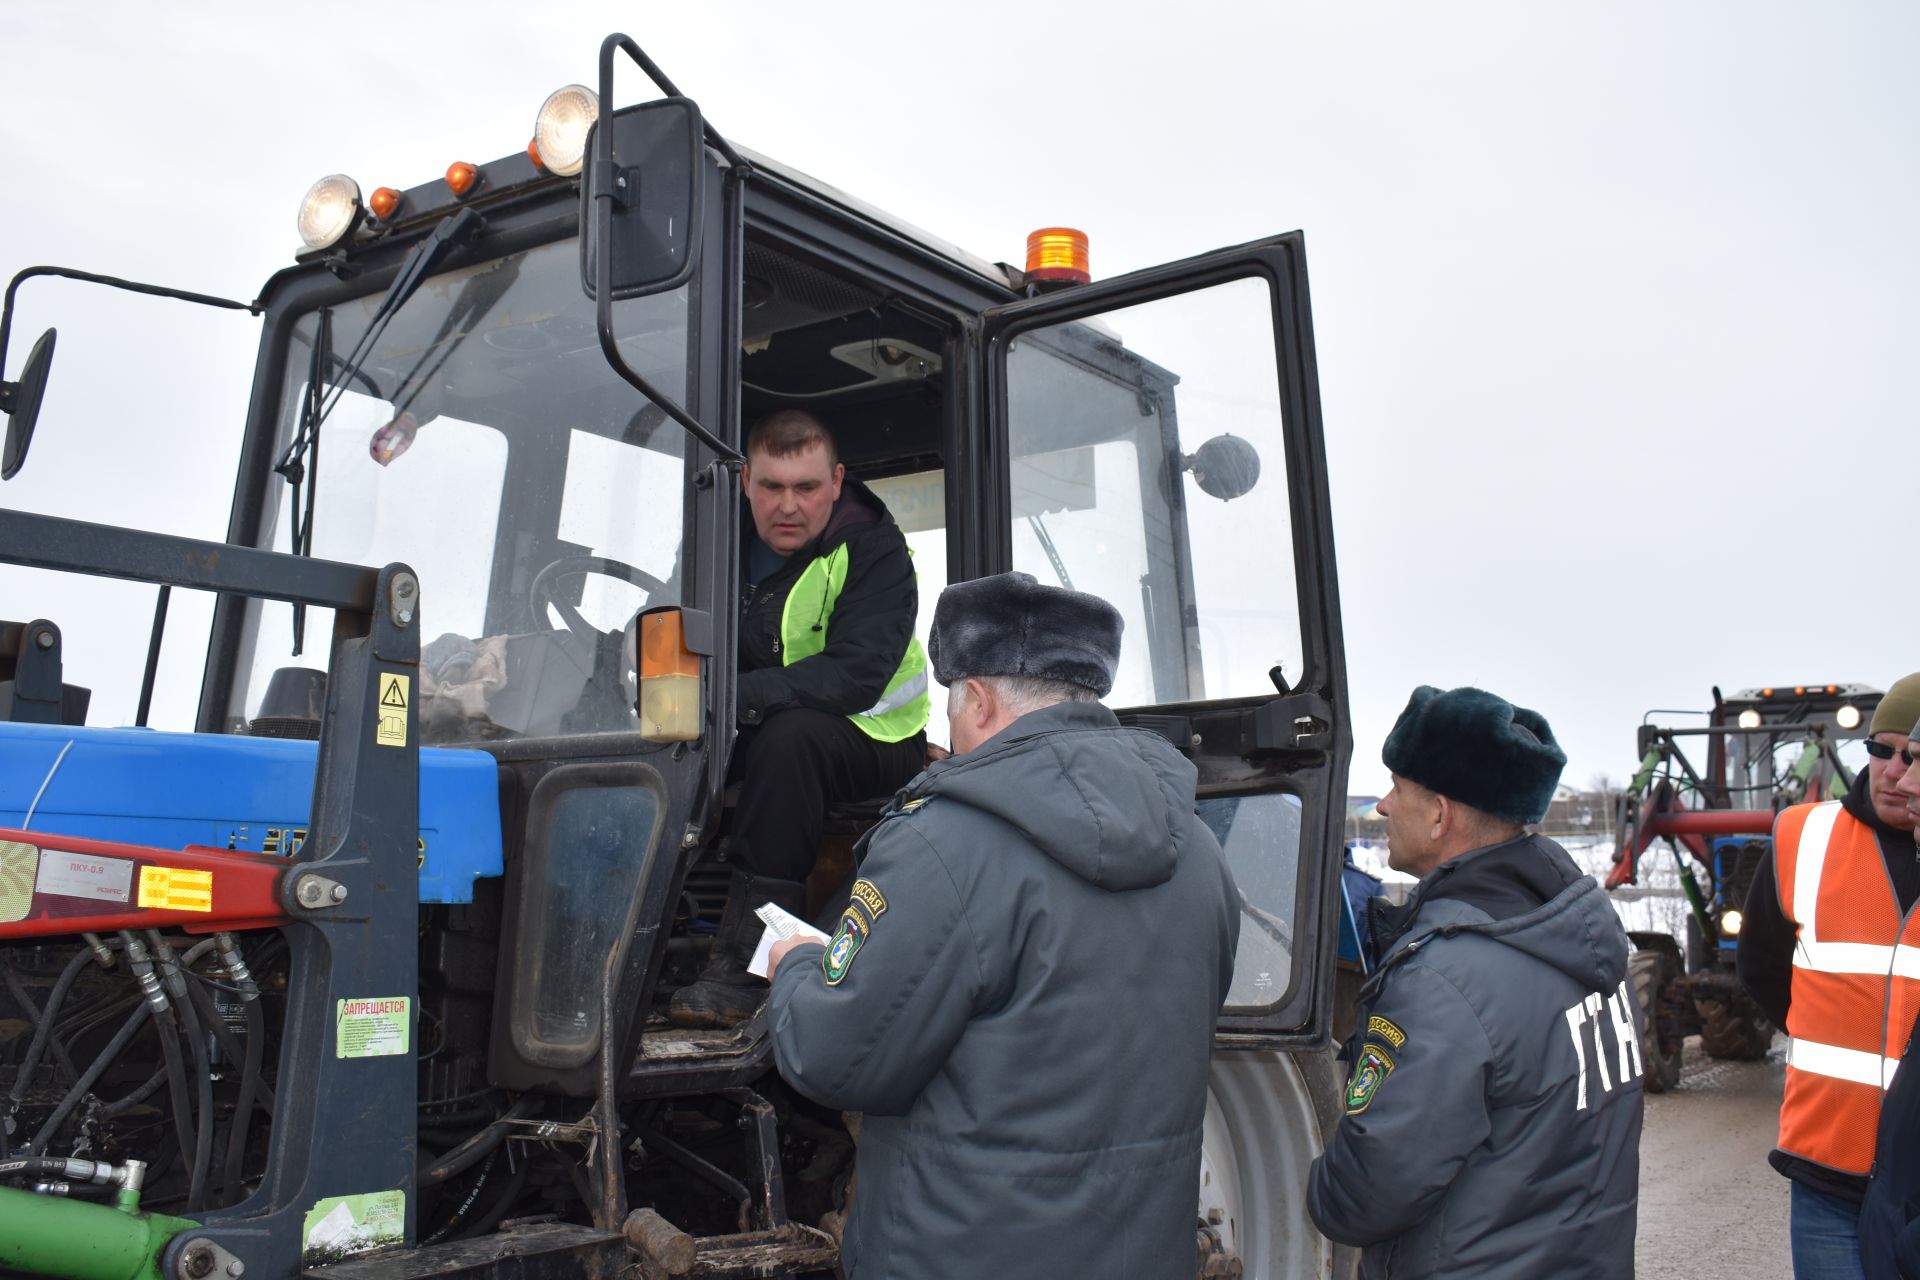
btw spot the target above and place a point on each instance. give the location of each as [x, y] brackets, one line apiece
[328, 213]
[1730, 922]
[560, 130]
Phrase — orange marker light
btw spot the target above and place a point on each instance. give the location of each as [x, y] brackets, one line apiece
[384, 202]
[461, 176]
[1766, 693]
[533, 154]
[1058, 254]
[669, 703]
[1799, 689]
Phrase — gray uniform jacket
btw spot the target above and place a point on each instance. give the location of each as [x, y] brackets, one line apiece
[1021, 999]
[1493, 1112]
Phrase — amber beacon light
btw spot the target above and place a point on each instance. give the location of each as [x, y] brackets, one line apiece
[1058, 255]
[669, 702]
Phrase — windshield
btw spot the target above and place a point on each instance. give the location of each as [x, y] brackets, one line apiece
[486, 443]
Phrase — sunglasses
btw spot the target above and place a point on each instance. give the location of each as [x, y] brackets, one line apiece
[1881, 751]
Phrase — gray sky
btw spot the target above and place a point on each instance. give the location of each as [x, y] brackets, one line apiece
[1615, 305]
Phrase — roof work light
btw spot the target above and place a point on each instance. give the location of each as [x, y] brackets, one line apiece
[1847, 717]
[560, 130]
[1058, 255]
[329, 211]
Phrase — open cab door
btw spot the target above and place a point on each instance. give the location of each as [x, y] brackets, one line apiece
[1162, 448]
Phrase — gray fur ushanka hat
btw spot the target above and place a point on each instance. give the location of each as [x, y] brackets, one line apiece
[1476, 747]
[1010, 625]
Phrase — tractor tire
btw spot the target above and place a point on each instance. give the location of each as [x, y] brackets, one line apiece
[1652, 973]
[1731, 1033]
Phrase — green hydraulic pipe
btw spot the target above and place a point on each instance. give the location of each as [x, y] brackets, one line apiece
[79, 1240]
[1648, 763]
[1696, 901]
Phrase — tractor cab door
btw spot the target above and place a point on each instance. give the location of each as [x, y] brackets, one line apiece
[1156, 441]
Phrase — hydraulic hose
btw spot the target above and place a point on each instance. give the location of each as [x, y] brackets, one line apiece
[177, 1090]
[498, 1209]
[177, 1021]
[43, 1030]
[474, 1149]
[138, 1096]
[105, 1059]
[203, 1106]
[250, 1084]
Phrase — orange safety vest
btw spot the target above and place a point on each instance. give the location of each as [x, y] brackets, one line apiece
[1856, 983]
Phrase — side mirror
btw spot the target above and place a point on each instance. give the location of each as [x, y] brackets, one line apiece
[652, 223]
[20, 401]
[1225, 467]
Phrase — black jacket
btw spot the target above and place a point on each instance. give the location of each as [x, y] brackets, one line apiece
[1765, 959]
[1494, 1107]
[872, 622]
[1890, 1217]
[1021, 1000]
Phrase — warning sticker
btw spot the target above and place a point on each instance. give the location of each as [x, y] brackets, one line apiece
[18, 863]
[342, 1226]
[390, 712]
[176, 889]
[82, 875]
[372, 1028]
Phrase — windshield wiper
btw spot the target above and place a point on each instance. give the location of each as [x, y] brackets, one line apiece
[455, 228]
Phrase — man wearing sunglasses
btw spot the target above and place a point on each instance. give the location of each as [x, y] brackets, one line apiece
[1830, 949]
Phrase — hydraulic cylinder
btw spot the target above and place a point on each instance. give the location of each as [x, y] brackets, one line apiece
[45, 1235]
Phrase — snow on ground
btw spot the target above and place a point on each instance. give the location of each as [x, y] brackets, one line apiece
[1654, 905]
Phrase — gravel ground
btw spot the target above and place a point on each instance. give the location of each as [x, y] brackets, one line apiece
[1710, 1205]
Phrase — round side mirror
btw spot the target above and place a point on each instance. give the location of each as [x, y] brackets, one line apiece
[1225, 467]
[21, 403]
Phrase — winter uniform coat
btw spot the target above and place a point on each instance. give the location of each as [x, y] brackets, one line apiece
[1020, 998]
[1492, 1121]
[1890, 1216]
[872, 621]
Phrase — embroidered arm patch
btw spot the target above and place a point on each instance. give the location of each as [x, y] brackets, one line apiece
[1369, 1073]
[843, 946]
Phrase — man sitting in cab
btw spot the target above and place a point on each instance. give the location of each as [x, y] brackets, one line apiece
[833, 686]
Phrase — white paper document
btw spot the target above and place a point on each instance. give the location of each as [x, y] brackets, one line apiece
[781, 925]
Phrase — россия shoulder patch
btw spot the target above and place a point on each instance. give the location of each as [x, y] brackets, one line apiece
[869, 898]
[1385, 1030]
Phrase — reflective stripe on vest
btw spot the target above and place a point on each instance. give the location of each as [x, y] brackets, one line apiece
[903, 707]
[1856, 983]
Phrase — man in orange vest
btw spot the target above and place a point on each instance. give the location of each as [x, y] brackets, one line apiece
[1830, 949]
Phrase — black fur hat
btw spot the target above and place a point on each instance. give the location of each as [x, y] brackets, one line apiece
[1476, 747]
[1010, 625]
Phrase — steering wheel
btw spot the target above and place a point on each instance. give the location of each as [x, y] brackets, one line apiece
[539, 592]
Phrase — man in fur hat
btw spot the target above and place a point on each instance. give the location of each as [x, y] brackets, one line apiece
[1493, 1113]
[1020, 996]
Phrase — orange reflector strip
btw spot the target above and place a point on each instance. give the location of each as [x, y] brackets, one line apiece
[384, 202]
[1058, 253]
[461, 176]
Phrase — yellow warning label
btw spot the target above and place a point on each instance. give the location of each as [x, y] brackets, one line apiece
[390, 714]
[176, 889]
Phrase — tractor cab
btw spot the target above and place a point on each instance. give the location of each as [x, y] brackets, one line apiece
[526, 384]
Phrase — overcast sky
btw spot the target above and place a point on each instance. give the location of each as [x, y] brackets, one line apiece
[1615, 305]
